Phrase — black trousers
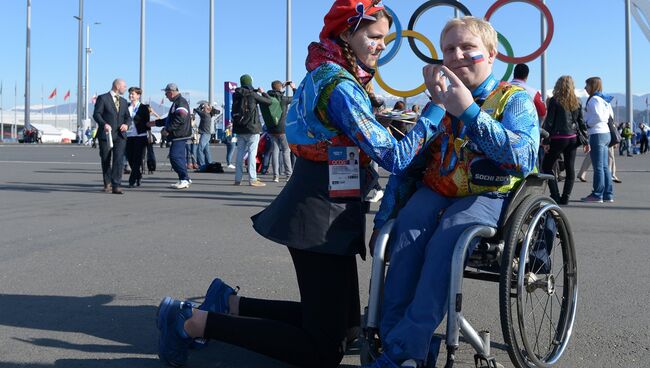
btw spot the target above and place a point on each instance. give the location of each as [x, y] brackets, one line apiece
[310, 333]
[135, 148]
[112, 160]
[644, 143]
[566, 147]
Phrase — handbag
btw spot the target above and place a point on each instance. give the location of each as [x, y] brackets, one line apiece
[582, 138]
[614, 135]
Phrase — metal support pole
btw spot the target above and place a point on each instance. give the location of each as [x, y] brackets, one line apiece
[543, 59]
[2, 114]
[211, 100]
[27, 121]
[288, 43]
[142, 45]
[88, 51]
[80, 94]
[629, 116]
[14, 131]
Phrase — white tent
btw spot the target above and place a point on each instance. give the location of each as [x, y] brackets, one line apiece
[52, 134]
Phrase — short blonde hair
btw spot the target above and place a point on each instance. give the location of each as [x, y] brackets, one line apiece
[479, 27]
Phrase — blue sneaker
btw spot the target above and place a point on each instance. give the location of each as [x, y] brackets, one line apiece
[174, 342]
[216, 298]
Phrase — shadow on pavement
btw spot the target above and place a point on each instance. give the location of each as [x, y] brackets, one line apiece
[132, 328]
[109, 363]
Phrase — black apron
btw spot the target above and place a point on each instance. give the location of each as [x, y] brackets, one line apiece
[303, 216]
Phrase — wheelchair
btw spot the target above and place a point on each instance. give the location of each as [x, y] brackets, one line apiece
[531, 255]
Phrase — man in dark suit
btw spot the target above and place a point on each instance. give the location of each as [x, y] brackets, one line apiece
[113, 119]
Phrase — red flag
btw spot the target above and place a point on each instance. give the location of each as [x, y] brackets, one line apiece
[67, 95]
[52, 94]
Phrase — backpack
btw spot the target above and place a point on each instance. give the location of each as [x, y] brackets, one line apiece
[214, 167]
[272, 113]
[243, 108]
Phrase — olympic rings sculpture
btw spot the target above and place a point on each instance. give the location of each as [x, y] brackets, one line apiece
[411, 35]
[388, 39]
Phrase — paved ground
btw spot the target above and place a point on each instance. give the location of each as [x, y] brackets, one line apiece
[82, 272]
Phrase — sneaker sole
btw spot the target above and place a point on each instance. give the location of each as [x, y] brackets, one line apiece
[163, 309]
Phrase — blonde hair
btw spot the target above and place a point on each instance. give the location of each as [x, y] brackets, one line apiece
[595, 83]
[564, 93]
[478, 27]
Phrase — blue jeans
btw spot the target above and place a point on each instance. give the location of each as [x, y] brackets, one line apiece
[230, 149]
[280, 144]
[417, 284]
[203, 155]
[190, 152]
[603, 187]
[247, 143]
[177, 158]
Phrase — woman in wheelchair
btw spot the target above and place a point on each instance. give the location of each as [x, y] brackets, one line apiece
[486, 144]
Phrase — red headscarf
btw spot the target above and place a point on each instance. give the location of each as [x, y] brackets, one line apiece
[347, 13]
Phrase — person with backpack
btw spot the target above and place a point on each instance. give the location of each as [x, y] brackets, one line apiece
[331, 112]
[247, 126]
[275, 116]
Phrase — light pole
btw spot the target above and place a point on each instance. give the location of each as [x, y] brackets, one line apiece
[211, 57]
[26, 123]
[86, 121]
[543, 59]
[629, 109]
[288, 43]
[80, 37]
[142, 19]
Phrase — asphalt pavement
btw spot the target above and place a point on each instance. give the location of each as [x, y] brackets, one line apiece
[82, 272]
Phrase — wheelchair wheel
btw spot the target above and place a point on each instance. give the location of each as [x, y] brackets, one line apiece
[370, 344]
[538, 286]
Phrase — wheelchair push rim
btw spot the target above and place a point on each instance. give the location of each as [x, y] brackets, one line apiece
[545, 288]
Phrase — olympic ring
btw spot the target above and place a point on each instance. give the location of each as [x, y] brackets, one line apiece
[547, 39]
[398, 29]
[408, 93]
[416, 15]
[411, 34]
[506, 45]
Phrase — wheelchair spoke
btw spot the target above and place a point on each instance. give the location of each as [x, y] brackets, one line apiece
[539, 330]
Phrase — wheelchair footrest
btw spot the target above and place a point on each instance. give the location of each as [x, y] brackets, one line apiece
[481, 361]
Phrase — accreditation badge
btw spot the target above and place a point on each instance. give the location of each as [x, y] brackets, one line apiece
[343, 165]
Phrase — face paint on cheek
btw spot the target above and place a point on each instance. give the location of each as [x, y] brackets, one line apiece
[474, 56]
[371, 46]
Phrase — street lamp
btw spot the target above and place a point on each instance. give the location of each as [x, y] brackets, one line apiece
[80, 105]
[87, 86]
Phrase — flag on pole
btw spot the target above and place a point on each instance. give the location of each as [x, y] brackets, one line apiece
[52, 94]
[67, 95]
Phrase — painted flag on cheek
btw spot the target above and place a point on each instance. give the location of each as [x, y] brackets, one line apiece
[475, 56]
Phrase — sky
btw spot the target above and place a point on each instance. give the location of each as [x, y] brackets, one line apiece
[588, 40]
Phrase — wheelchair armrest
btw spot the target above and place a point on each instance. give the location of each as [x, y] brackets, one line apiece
[540, 176]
